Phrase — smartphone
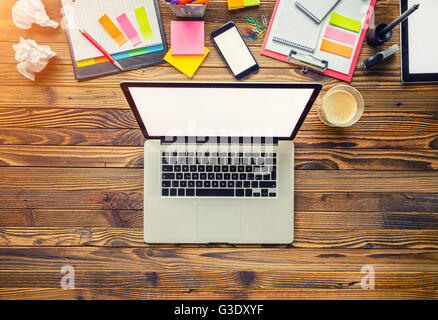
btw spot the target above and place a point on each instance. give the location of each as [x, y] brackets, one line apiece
[233, 49]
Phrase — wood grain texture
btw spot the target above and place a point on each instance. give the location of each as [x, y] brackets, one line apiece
[71, 185]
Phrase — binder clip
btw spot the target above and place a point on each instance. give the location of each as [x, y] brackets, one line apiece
[307, 61]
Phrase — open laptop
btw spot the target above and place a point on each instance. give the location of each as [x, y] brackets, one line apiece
[219, 159]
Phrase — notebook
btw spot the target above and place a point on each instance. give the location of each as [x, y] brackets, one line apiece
[89, 62]
[187, 37]
[339, 66]
[316, 9]
[293, 27]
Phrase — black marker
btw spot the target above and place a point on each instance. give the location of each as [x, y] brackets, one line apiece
[379, 57]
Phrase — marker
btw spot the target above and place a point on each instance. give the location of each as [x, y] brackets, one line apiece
[379, 57]
[101, 49]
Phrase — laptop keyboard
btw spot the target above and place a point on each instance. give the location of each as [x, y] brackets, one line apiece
[242, 175]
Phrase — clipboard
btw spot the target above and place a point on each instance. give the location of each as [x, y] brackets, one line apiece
[318, 64]
[149, 56]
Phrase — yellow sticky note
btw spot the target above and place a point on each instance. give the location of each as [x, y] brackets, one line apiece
[186, 64]
[249, 3]
[235, 4]
[112, 30]
[336, 48]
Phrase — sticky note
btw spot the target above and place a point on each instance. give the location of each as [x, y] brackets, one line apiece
[129, 29]
[336, 48]
[84, 63]
[249, 3]
[186, 64]
[344, 22]
[187, 37]
[340, 36]
[236, 4]
[143, 22]
[112, 30]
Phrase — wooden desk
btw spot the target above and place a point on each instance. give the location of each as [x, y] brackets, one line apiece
[71, 182]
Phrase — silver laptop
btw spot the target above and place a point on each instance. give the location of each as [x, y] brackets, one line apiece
[219, 159]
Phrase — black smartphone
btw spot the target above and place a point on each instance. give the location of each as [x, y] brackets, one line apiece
[233, 49]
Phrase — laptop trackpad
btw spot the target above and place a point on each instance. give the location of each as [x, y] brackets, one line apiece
[217, 222]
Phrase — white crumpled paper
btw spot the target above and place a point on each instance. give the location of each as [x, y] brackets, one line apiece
[26, 12]
[31, 57]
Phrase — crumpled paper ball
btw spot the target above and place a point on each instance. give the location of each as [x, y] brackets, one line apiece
[26, 12]
[31, 57]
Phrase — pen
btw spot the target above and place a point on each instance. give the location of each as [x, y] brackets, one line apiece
[101, 49]
[379, 57]
[400, 19]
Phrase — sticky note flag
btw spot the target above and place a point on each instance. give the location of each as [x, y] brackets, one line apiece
[236, 4]
[129, 29]
[344, 22]
[112, 30]
[186, 64]
[340, 36]
[249, 3]
[187, 37]
[143, 22]
[336, 48]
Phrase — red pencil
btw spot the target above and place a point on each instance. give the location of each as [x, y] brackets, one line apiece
[99, 47]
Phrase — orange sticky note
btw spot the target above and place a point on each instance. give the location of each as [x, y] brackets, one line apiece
[336, 48]
[112, 30]
[235, 4]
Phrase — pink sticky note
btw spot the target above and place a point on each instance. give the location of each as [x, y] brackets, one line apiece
[129, 29]
[340, 35]
[187, 37]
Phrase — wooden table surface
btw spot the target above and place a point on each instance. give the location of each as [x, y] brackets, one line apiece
[71, 186]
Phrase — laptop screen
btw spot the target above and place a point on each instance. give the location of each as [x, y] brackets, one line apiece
[215, 111]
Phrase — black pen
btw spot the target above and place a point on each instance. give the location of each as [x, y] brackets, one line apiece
[379, 57]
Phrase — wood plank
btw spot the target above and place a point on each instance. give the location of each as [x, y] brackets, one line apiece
[316, 221]
[226, 294]
[131, 179]
[303, 238]
[305, 159]
[330, 138]
[197, 259]
[72, 137]
[420, 120]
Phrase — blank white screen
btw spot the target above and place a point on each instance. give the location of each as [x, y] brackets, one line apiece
[423, 42]
[234, 51]
[221, 112]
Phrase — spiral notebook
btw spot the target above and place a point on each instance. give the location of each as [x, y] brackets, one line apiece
[293, 27]
[316, 9]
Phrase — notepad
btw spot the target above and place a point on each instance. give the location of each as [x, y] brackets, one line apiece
[186, 64]
[344, 22]
[316, 9]
[293, 27]
[187, 37]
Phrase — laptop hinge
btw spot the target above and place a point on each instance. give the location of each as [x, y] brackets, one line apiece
[220, 140]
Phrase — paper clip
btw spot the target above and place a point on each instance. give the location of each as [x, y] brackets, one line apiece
[265, 23]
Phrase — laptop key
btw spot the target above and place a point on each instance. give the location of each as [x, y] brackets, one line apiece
[199, 184]
[185, 168]
[175, 184]
[172, 192]
[227, 176]
[179, 176]
[223, 184]
[214, 192]
[256, 194]
[190, 192]
[207, 184]
[168, 176]
[165, 184]
[248, 192]
[187, 176]
[183, 184]
[272, 194]
[193, 168]
[215, 184]
[230, 184]
[247, 184]
[268, 184]
[177, 168]
[165, 192]
[191, 184]
[195, 176]
[181, 193]
[210, 176]
[238, 184]
[203, 176]
[239, 192]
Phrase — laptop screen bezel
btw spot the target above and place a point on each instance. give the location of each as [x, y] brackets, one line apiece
[125, 85]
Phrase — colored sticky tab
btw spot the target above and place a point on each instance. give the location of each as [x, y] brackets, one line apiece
[340, 36]
[235, 4]
[249, 3]
[187, 37]
[112, 30]
[129, 29]
[143, 22]
[186, 64]
[344, 22]
[336, 48]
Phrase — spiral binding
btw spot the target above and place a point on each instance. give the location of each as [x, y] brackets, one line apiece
[293, 44]
[299, 5]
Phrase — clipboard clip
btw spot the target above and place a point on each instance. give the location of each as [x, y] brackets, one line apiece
[307, 61]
